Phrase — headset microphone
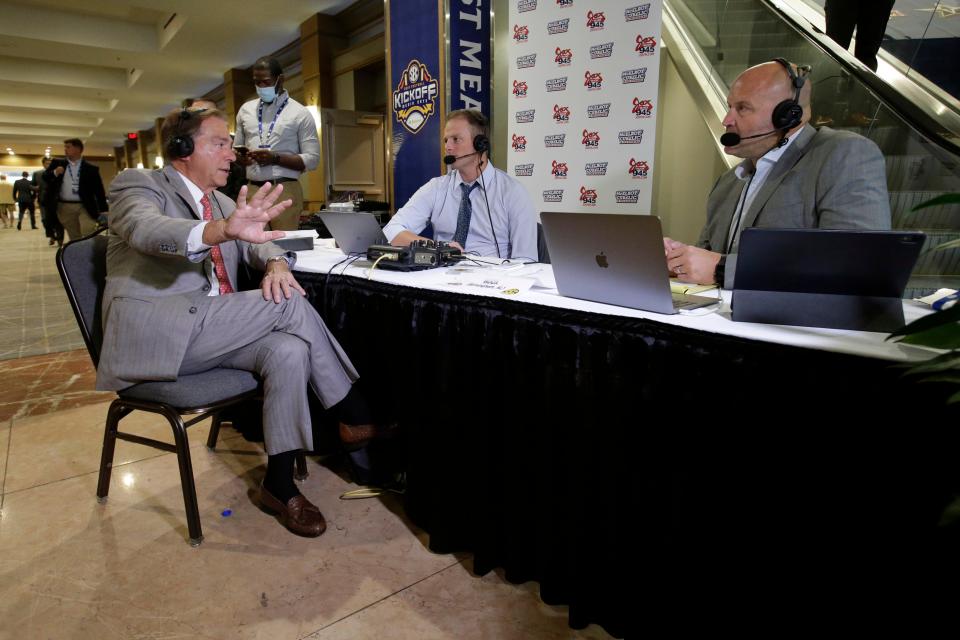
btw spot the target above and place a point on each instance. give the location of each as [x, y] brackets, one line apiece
[731, 139]
[448, 160]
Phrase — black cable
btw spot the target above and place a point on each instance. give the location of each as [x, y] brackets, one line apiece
[489, 215]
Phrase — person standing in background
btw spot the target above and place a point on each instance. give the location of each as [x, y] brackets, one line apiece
[75, 191]
[869, 17]
[6, 201]
[23, 194]
[280, 140]
[51, 226]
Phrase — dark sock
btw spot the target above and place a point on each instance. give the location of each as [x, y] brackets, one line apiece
[279, 479]
[353, 409]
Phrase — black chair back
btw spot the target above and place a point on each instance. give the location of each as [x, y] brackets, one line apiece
[83, 269]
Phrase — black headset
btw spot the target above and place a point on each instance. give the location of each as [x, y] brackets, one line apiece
[180, 145]
[481, 143]
[788, 114]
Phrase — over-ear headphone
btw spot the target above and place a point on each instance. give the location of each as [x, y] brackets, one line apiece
[788, 114]
[481, 143]
[180, 145]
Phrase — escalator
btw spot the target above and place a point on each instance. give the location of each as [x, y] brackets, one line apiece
[915, 123]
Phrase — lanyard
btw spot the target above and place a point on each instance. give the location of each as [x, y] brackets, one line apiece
[75, 179]
[276, 116]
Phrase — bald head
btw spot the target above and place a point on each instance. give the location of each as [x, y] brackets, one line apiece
[751, 101]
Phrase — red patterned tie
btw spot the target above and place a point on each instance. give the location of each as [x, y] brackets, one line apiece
[218, 266]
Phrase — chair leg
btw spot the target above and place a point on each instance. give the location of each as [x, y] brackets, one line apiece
[114, 414]
[214, 432]
[301, 472]
[186, 476]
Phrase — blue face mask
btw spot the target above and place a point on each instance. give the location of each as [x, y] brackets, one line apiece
[267, 94]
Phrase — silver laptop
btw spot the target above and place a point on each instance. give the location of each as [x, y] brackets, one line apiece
[614, 259]
[354, 232]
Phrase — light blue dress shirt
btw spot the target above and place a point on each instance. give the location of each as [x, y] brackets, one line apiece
[438, 201]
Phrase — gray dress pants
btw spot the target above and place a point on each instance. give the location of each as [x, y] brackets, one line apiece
[288, 345]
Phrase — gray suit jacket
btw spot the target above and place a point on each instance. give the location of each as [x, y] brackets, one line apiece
[155, 291]
[826, 179]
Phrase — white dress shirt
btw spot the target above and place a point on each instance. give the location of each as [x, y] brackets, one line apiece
[294, 131]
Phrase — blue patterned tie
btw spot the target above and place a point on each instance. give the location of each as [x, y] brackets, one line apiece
[463, 216]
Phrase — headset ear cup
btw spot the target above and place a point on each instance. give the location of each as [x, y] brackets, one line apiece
[481, 143]
[180, 146]
[787, 115]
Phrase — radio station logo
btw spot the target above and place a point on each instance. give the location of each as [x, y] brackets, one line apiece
[633, 76]
[520, 89]
[557, 84]
[588, 197]
[595, 20]
[526, 5]
[638, 169]
[601, 110]
[525, 116]
[519, 143]
[521, 33]
[595, 168]
[631, 136]
[558, 26]
[592, 81]
[559, 169]
[642, 108]
[523, 170]
[527, 61]
[639, 12]
[604, 50]
[591, 139]
[553, 195]
[561, 114]
[645, 46]
[554, 140]
[415, 98]
[563, 57]
[627, 196]
[563, 4]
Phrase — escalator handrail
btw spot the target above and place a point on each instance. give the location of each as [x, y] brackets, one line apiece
[919, 119]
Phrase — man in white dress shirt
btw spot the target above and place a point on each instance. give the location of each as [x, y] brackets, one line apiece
[281, 138]
[456, 205]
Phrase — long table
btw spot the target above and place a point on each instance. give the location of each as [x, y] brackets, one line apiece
[635, 464]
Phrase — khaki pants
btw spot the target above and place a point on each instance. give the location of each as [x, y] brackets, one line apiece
[289, 220]
[75, 220]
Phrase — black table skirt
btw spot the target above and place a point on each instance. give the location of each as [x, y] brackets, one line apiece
[634, 468]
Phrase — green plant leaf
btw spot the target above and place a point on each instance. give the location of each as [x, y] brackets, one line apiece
[943, 362]
[926, 323]
[946, 198]
[953, 244]
[952, 378]
[945, 336]
[954, 398]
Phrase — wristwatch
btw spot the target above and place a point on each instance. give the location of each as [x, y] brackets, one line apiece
[720, 271]
[278, 259]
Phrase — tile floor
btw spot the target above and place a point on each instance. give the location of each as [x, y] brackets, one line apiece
[73, 568]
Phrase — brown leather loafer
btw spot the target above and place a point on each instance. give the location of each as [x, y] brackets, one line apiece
[356, 436]
[299, 515]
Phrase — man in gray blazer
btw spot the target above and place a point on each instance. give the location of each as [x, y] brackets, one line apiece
[792, 176]
[171, 308]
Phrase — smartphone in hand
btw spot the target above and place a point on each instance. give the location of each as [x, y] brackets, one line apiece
[241, 150]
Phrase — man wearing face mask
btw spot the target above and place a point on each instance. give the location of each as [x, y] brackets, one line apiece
[280, 138]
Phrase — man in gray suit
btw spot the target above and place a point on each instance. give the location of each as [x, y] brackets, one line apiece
[170, 306]
[792, 175]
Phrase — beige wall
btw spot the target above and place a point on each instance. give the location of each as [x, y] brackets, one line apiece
[687, 162]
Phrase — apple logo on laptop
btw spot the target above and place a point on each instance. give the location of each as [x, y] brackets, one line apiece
[602, 260]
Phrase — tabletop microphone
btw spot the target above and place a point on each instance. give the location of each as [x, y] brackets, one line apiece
[731, 139]
[448, 160]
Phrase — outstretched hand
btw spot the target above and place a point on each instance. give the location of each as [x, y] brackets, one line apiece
[248, 221]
